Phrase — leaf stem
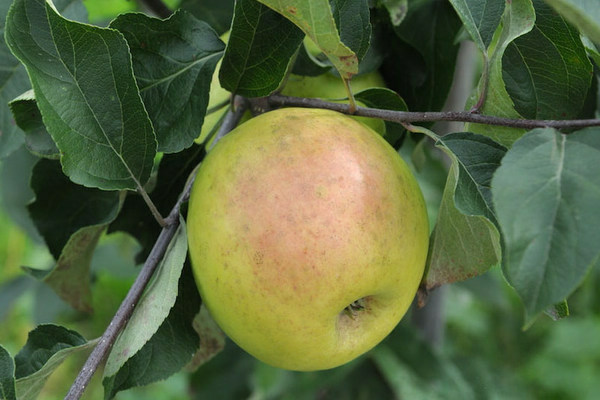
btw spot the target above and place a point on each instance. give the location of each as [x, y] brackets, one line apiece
[278, 100]
[157, 216]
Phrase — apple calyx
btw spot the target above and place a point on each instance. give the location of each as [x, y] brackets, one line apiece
[354, 308]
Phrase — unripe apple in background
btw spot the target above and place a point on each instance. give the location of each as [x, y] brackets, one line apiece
[308, 237]
[327, 86]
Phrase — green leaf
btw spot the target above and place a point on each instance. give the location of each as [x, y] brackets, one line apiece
[466, 240]
[396, 9]
[85, 89]
[352, 18]
[212, 339]
[425, 53]
[403, 382]
[7, 376]
[217, 13]
[463, 246]
[169, 349]
[259, 51]
[173, 63]
[13, 81]
[46, 348]
[13, 76]
[583, 14]
[71, 219]
[61, 207]
[481, 19]
[388, 100]
[413, 370]
[517, 20]
[546, 71]
[546, 194]
[477, 158]
[70, 277]
[316, 20]
[306, 64]
[15, 191]
[11, 290]
[154, 306]
[28, 117]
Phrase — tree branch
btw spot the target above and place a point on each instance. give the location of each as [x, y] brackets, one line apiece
[278, 100]
[126, 308]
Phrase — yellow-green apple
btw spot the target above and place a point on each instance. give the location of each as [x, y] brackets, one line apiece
[308, 237]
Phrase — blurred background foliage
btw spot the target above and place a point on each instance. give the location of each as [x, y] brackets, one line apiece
[484, 353]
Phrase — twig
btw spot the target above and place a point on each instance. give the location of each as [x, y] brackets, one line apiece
[125, 309]
[278, 100]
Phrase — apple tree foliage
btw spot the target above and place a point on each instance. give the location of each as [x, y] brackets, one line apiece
[94, 117]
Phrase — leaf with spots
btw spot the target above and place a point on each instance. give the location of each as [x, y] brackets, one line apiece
[316, 20]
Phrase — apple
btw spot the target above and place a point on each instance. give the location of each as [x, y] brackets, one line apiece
[308, 237]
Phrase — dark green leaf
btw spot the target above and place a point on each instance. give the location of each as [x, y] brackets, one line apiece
[153, 307]
[173, 63]
[478, 157]
[388, 100]
[546, 71]
[307, 65]
[352, 20]
[86, 92]
[14, 79]
[28, 117]
[7, 376]
[546, 194]
[43, 343]
[169, 349]
[217, 13]
[426, 54]
[481, 19]
[46, 348]
[259, 50]
[583, 14]
[61, 207]
[71, 219]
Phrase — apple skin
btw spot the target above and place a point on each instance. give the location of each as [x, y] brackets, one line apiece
[295, 215]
